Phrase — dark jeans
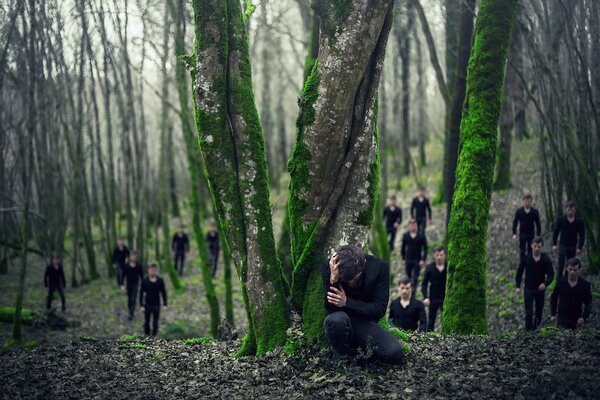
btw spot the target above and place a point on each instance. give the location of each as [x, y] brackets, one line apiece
[391, 233]
[564, 254]
[119, 271]
[154, 312]
[434, 307]
[61, 291]
[422, 225]
[567, 324]
[524, 246]
[132, 291]
[213, 258]
[346, 334]
[531, 297]
[179, 261]
[413, 269]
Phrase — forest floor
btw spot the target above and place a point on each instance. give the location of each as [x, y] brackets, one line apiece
[102, 355]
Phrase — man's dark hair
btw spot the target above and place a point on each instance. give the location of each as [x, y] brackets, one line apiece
[392, 197]
[133, 253]
[570, 204]
[439, 248]
[537, 240]
[527, 197]
[421, 188]
[153, 266]
[575, 262]
[352, 261]
[405, 280]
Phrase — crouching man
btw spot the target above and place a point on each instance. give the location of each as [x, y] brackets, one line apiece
[356, 296]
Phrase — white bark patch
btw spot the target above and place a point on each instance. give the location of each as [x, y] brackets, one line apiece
[209, 139]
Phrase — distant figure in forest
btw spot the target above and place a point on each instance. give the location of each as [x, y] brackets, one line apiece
[406, 312]
[356, 290]
[420, 209]
[539, 273]
[528, 220]
[414, 252]
[212, 241]
[392, 215]
[181, 248]
[434, 286]
[133, 273]
[119, 258]
[153, 286]
[54, 280]
[571, 230]
[572, 297]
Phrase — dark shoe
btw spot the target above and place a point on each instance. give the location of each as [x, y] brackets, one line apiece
[130, 317]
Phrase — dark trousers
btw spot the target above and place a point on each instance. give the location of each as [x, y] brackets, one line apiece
[213, 258]
[346, 334]
[572, 325]
[524, 246]
[434, 307]
[532, 297]
[179, 261]
[61, 291]
[391, 233]
[119, 271]
[422, 225]
[154, 312]
[564, 254]
[413, 269]
[132, 291]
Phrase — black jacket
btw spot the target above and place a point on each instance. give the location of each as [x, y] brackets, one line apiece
[369, 298]
[392, 216]
[133, 275]
[414, 249]
[119, 257]
[54, 277]
[536, 273]
[409, 318]
[420, 209]
[213, 241]
[569, 232]
[527, 222]
[437, 289]
[180, 244]
[569, 300]
[151, 291]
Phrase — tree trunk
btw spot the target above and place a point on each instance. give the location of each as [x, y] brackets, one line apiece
[465, 305]
[502, 181]
[405, 58]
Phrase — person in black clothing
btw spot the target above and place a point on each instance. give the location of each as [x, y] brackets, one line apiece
[419, 210]
[153, 286]
[538, 275]
[571, 230]
[356, 290]
[392, 215]
[119, 258]
[569, 295]
[434, 286]
[181, 248]
[527, 218]
[133, 274]
[212, 239]
[54, 280]
[406, 312]
[414, 252]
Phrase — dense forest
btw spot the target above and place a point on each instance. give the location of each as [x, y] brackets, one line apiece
[231, 151]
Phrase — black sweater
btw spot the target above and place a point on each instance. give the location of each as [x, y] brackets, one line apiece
[527, 221]
[569, 232]
[152, 292]
[536, 272]
[414, 249]
[180, 244]
[369, 298]
[437, 290]
[409, 318]
[392, 216]
[120, 255]
[213, 241]
[420, 209]
[133, 274]
[54, 277]
[570, 299]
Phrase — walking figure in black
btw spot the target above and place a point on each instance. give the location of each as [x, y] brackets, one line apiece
[406, 312]
[133, 274]
[119, 258]
[414, 252]
[212, 240]
[570, 294]
[528, 220]
[420, 209]
[392, 215]
[181, 248]
[538, 275]
[571, 230]
[153, 286]
[54, 280]
[434, 286]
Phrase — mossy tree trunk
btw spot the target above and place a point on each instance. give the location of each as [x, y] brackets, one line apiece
[465, 305]
[232, 145]
[334, 169]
